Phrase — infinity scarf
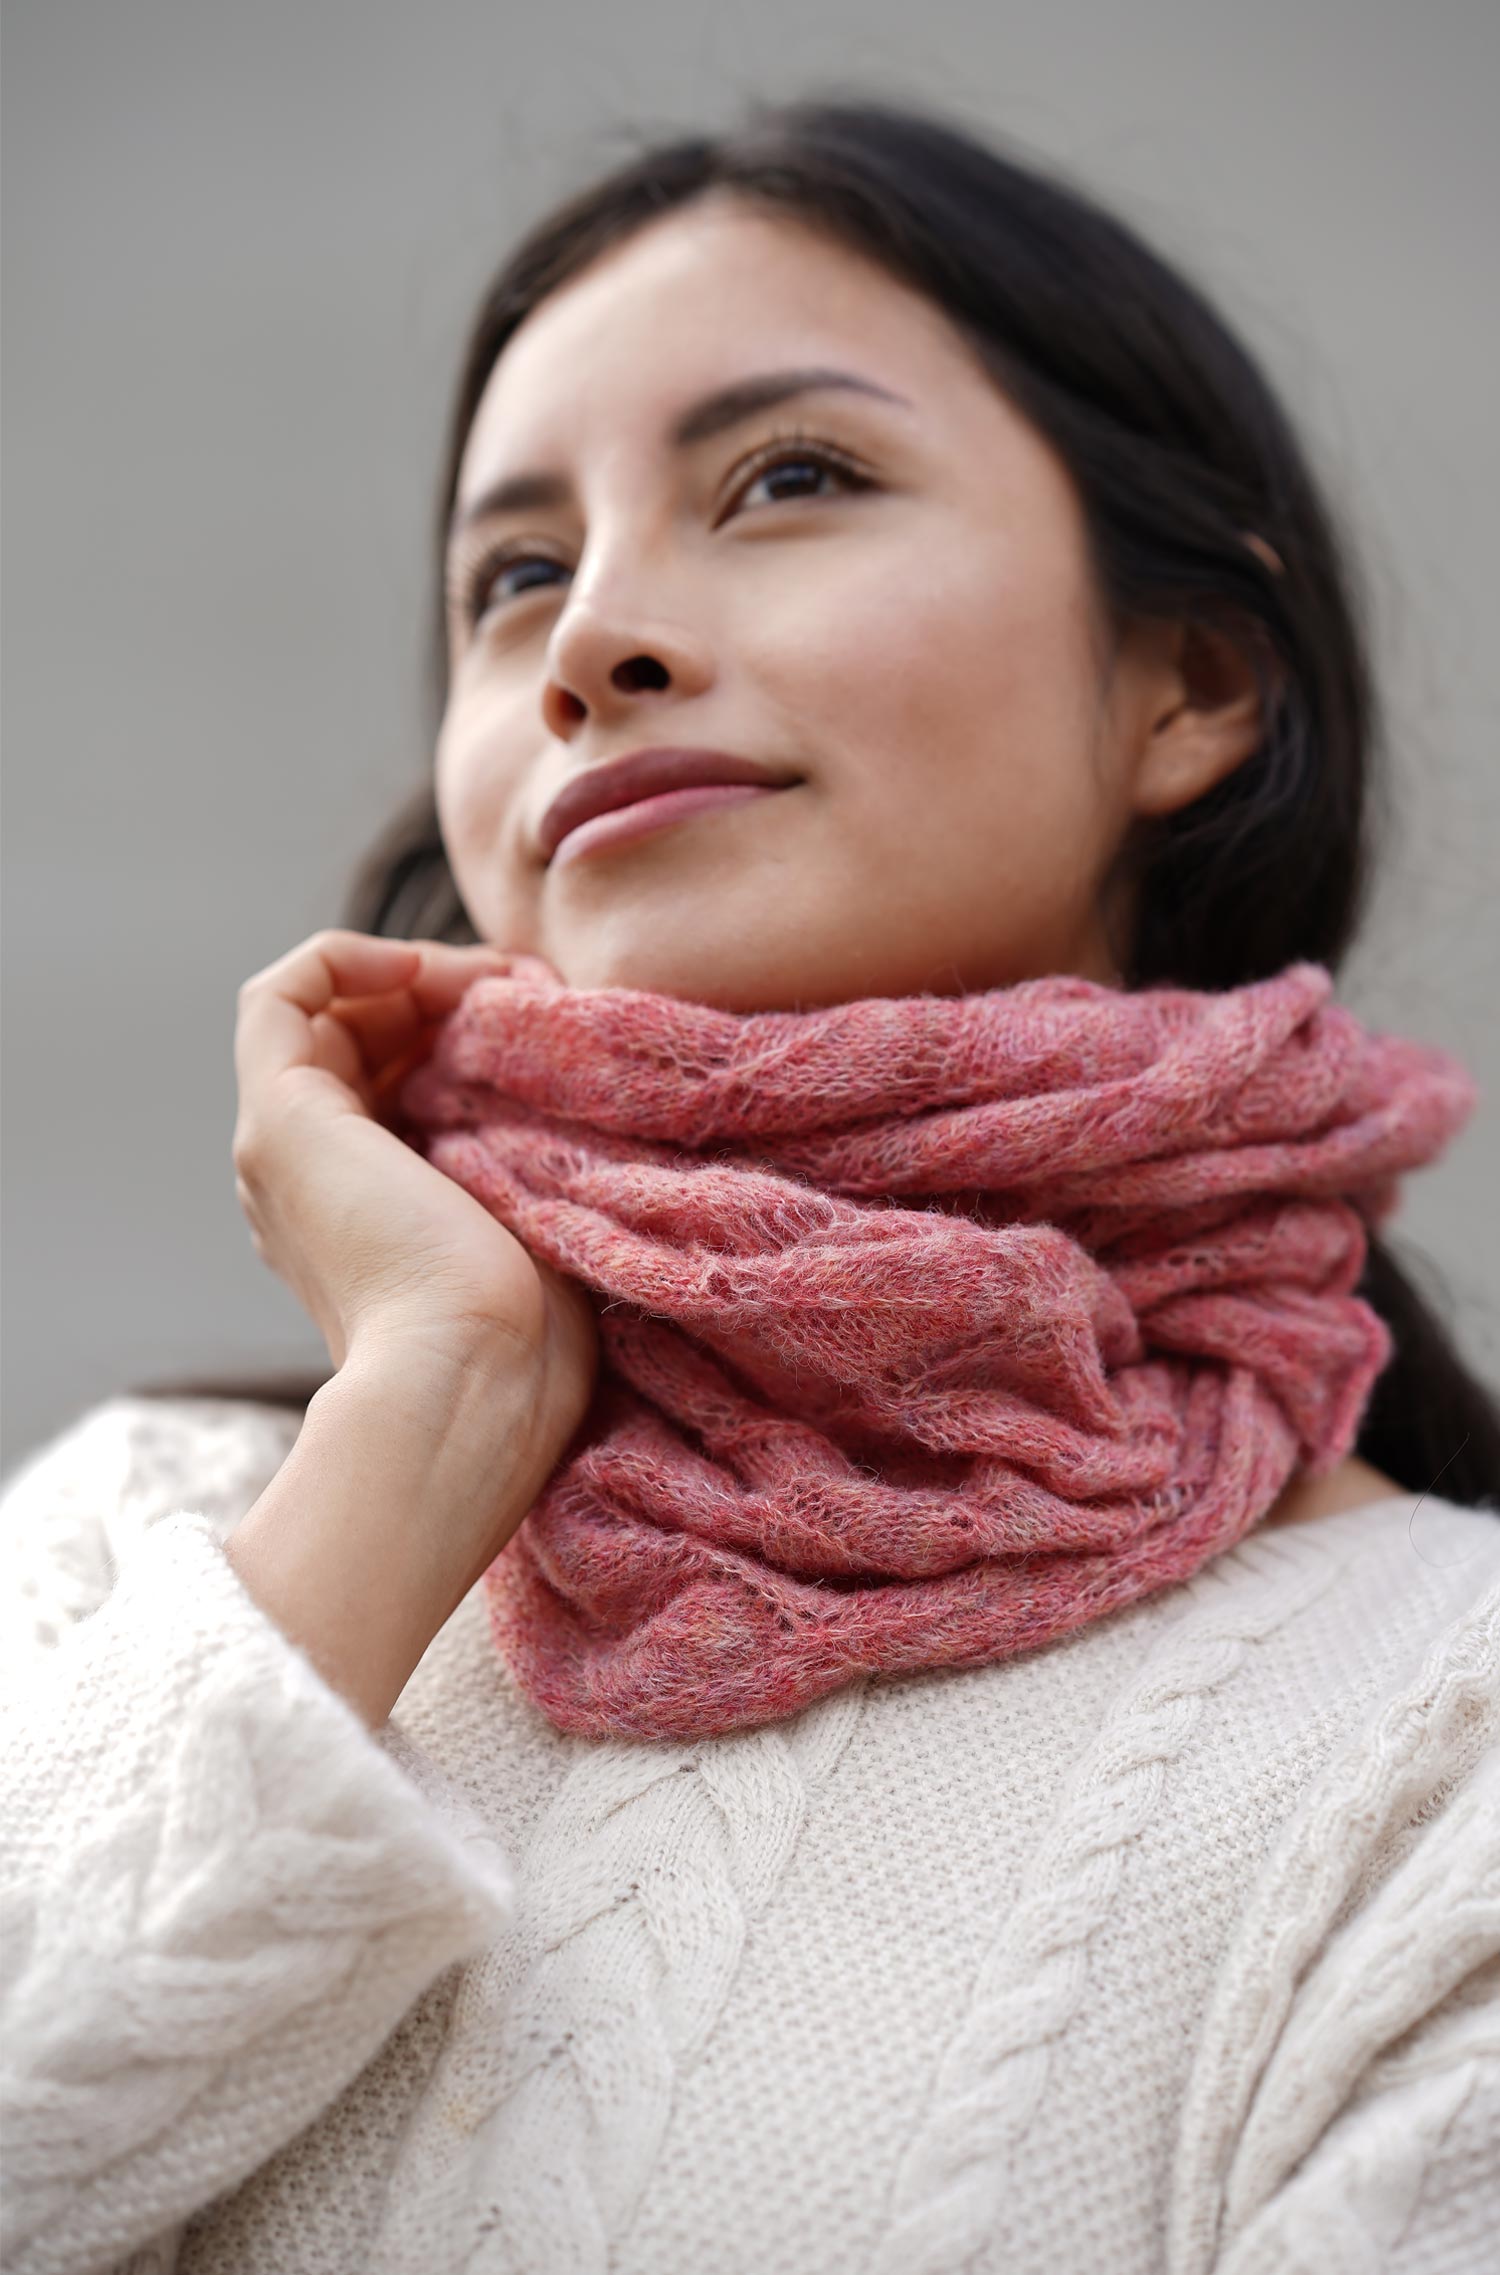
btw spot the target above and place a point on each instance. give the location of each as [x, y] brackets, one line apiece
[930, 1327]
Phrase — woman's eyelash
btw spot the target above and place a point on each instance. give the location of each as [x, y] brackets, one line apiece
[473, 581]
[794, 449]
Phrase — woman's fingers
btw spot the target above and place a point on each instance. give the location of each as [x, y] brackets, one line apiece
[394, 1031]
[444, 977]
[379, 992]
[278, 1005]
[382, 1027]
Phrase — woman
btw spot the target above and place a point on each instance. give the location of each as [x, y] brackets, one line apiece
[1121, 1896]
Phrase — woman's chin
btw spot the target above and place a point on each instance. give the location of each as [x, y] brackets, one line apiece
[716, 966]
[688, 980]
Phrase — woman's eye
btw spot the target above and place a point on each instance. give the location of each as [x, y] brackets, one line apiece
[797, 474]
[483, 585]
[492, 580]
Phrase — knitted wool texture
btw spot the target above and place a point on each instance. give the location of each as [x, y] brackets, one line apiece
[930, 1327]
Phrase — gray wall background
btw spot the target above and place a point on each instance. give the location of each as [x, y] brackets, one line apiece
[241, 245]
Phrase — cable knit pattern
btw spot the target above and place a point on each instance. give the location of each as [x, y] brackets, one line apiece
[210, 1925]
[1353, 2208]
[78, 1504]
[849, 1991]
[640, 1886]
[992, 2079]
[1270, 2075]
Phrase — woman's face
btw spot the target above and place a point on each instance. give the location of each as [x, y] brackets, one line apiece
[880, 591]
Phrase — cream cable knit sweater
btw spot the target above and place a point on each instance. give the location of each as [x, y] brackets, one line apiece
[1173, 1947]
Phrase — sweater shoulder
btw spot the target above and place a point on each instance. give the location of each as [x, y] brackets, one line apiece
[71, 1507]
[1381, 1582]
[1326, 1623]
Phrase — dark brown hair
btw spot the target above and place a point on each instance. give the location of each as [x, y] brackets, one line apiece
[1178, 447]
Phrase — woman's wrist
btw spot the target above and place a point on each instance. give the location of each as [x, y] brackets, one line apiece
[408, 1477]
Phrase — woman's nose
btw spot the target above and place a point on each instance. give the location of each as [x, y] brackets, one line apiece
[602, 664]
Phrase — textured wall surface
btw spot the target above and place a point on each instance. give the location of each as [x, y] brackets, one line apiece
[241, 248]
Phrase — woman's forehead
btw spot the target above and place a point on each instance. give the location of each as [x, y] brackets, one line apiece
[691, 304]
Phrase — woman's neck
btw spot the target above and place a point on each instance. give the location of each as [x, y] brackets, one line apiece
[1351, 1486]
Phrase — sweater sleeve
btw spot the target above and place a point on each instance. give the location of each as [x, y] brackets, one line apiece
[1406, 2181]
[219, 1892]
[1369, 1998]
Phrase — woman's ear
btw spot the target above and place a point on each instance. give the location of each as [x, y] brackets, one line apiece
[1207, 715]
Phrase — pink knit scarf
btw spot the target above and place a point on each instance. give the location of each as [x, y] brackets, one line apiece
[931, 1327]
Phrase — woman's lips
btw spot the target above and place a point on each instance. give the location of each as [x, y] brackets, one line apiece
[646, 814]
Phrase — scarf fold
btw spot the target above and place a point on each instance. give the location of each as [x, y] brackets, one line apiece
[930, 1327]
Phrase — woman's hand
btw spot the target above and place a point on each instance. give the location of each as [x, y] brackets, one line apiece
[463, 1365]
[382, 1250]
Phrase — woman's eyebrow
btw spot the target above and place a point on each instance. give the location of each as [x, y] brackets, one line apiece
[710, 415]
